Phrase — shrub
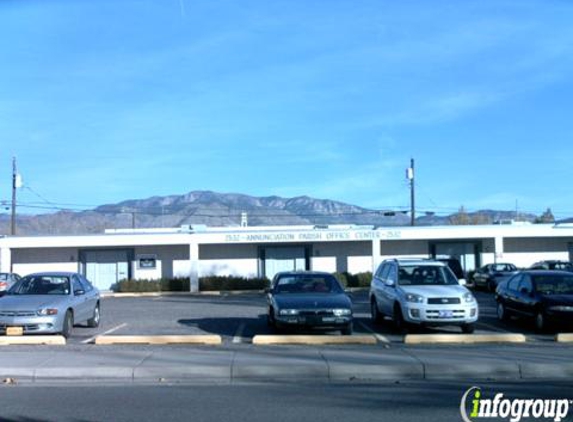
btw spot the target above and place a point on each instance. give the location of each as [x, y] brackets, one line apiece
[214, 283]
[354, 280]
[181, 284]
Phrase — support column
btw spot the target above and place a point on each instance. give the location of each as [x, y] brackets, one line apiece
[498, 249]
[375, 254]
[5, 260]
[194, 267]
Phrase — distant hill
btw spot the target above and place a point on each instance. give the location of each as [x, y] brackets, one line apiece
[218, 209]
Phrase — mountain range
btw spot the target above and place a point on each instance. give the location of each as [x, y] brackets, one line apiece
[219, 209]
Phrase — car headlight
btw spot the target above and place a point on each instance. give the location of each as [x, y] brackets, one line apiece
[47, 311]
[410, 297]
[287, 312]
[341, 312]
[469, 298]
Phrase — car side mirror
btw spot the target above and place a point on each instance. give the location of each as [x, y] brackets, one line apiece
[390, 283]
[524, 291]
[462, 281]
[268, 290]
[79, 292]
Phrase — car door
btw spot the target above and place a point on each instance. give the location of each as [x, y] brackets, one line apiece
[525, 302]
[378, 285]
[510, 295]
[92, 295]
[388, 291]
[81, 300]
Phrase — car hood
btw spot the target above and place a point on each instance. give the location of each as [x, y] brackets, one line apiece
[558, 300]
[29, 302]
[435, 291]
[312, 301]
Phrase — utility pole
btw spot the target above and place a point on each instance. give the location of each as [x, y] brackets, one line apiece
[14, 185]
[410, 176]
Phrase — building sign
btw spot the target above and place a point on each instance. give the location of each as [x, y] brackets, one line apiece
[146, 262]
[312, 236]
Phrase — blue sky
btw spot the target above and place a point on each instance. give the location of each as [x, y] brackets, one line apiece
[107, 100]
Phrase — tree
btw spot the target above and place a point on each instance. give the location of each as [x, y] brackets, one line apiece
[461, 218]
[545, 218]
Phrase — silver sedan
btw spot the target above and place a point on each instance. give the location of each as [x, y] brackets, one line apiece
[52, 302]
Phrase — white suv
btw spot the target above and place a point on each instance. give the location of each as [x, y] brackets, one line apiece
[421, 292]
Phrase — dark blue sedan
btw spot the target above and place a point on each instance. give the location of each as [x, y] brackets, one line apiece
[309, 300]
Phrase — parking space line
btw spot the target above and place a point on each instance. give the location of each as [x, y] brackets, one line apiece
[379, 337]
[238, 338]
[111, 330]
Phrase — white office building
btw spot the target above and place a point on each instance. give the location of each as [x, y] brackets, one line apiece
[195, 251]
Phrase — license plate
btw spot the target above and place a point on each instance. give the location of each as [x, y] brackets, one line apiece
[14, 331]
[328, 319]
[446, 314]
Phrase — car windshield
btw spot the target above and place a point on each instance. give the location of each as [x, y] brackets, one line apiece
[4, 276]
[563, 266]
[554, 285]
[41, 285]
[307, 284]
[503, 267]
[426, 275]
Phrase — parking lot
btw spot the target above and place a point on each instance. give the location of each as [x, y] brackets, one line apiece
[239, 317]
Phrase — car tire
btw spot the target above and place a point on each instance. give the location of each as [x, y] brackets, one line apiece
[347, 331]
[270, 319]
[502, 312]
[491, 286]
[399, 323]
[540, 322]
[68, 324]
[375, 314]
[468, 328]
[93, 322]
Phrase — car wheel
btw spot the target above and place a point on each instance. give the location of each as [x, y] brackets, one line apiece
[375, 314]
[468, 328]
[68, 324]
[347, 331]
[399, 323]
[93, 322]
[501, 312]
[540, 322]
[491, 286]
[271, 319]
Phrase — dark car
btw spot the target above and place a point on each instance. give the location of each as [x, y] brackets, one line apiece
[7, 280]
[544, 296]
[552, 265]
[309, 300]
[490, 275]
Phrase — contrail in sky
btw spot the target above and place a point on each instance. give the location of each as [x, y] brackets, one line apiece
[182, 7]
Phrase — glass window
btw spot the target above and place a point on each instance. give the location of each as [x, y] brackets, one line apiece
[305, 283]
[525, 285]
[554, 285]
[514, 282]
[42, 285]
[426, 275]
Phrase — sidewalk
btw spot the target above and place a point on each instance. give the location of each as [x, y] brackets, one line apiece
[225, 365]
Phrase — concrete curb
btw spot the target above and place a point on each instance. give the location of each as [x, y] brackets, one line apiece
[212, 340]
[464, 338]
[183, 294]
[313, 340]
[32, 340]
[564, 338]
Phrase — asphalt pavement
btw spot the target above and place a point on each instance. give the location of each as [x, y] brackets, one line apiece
[398, 402]
[238, 317]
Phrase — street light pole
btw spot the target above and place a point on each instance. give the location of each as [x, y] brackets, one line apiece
[14, 184]
[410, 175]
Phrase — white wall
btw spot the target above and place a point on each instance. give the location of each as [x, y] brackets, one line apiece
[240, 260]
[352, 257]
[27, 261]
